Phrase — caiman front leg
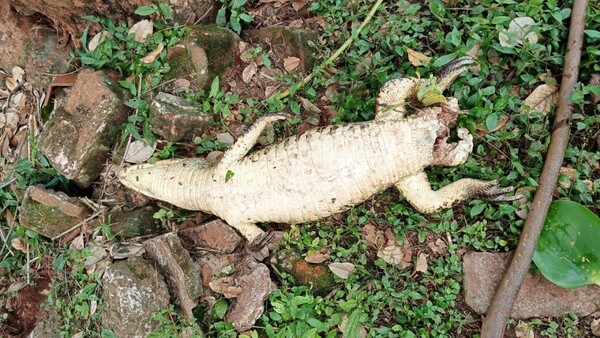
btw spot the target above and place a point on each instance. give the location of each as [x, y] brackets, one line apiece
[417, 191]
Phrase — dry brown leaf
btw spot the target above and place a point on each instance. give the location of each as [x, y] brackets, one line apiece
[225, 286]
[153, 54]
[298, 4]
[474, 50]
[542, 99]
[9, 217]
[270, 91]
[342, 270]
[390, 238]
[98, 39]
[482, 129]
[16, 286]
[141, 30]
[391, 254]
[291, 63]
[93, 306]
[18, 74]
[417, 59]
[77, 244]
[20, 243]
[180, 85]
[309, 106]
[316, 257]
[421, 265]
[298, 23]
[138, 151]
[249, 72]
[11, 84]
[373, 237]
[78, 335]
[362, 333]
[595, 327]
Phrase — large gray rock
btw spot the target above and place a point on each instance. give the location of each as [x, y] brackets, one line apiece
[78, 135]
[50, 213]
[174, 119]
[183, 273]
[133, 290]
[537, 298]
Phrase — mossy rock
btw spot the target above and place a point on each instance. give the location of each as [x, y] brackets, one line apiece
[304, 273]
[206, 51]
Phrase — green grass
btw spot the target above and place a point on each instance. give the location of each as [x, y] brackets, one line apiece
[386, 300]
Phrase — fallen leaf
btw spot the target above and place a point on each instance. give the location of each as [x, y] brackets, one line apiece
[298, 4]
[290, 63]
[417, 59]
[474, 50]
[270, 91]
[438, 247]
[421, 265]
[391, 254]
[17, 74]
[141, 30]
[390, 238]
[309, 106]
[225, 286]
[342, 270]
[180, 85]
[226, 138]
[77, 244]
[519, 31]
[595, 327]
[298, 23]
[570, 173]
[78, 335]
[97, 40]
[9, 217]
[372, 235]
[154, 54]
[242, 46]
[96, 254]
[249, 72]
[139, 151]
[93, 306]
[482, 129]
[316, 257]
[16, 286]
[11, 84]
[542, 99]
[20, 243]
[523, 330]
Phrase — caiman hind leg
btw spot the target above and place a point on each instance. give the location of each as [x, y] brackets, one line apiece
[417, 191]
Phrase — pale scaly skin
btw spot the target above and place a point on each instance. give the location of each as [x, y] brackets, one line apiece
[323, 171]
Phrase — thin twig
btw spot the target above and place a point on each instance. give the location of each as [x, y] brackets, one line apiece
[337, 53]
[501, 306]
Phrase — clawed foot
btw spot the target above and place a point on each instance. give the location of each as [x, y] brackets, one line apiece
[261, 241]
[494, 193]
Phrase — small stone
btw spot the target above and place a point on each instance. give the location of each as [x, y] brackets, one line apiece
[304, 273]
[50, 213]
[215, 235]
[210, 266]
[133, 291]
[176, 263]
[226, 138]
[78, 135]
[538, 297]
[135, 223]
[255, 286]
[175, 119]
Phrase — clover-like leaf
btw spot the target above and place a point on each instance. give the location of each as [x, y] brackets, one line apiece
[568, 251]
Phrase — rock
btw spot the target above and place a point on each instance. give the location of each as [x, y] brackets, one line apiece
[216, 235]
[78, 136]
[304, 273]
[50, 213]
[133, 291]
[538, 297]
[44, 56]
[46, 328]
[190, 11]
[205, 52]
[210, 267]
[135, 223]
[287, 42]
[226, 138]
[174, 119]
[176, 263]
[13, 32]
[256, 286]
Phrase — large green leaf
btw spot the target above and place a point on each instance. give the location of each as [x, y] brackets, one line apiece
[568, 251]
